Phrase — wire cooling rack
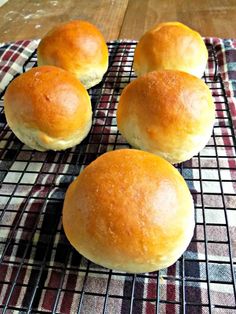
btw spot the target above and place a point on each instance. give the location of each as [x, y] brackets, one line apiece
[41, 273]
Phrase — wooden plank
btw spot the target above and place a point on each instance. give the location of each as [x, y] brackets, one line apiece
[215, 18]
[116, 18]
[28, 19]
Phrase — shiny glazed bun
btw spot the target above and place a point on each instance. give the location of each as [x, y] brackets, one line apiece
[168, 113]
[171, 45]
[48, 108]
[78, 47]
[129, 210]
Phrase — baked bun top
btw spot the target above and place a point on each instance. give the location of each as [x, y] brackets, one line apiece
[169, 113]
[129, 210]
[171, 45]
[78, 47]
[49, 102]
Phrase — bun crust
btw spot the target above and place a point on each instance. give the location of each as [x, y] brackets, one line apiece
[171, 46]
[169, 113]
[129, 210]
[78, 47]
[48, 108]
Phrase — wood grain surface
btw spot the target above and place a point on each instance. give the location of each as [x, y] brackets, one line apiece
[124, 19]
[215, 18]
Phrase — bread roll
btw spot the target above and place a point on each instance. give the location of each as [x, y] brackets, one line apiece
[171, 45]
[168, 113]
[48, 108]
[78, 47]
[129, 210]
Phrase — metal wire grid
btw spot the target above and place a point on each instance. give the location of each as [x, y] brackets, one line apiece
[33, 245]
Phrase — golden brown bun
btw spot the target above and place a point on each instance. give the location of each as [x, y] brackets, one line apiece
[48, 108]
[78, 47]
[171, 45]
[129, 210]
[168, 113]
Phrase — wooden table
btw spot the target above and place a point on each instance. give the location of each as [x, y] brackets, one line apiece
[126, 19]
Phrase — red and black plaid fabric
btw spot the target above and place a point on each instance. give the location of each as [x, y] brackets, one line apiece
[41, 273]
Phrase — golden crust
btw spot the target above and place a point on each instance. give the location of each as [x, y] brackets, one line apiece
[129, 210]
[169, 113]
[78, 47]
[171, 45]
[48, 103]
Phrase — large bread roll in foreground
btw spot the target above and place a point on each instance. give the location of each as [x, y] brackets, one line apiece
[78, 47]
[171, 45]
[129, 210]
[48, 108]
[169, 113]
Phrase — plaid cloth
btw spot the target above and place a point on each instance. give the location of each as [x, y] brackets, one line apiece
[41, 273]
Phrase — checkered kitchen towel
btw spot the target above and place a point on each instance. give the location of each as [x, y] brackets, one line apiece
[41, 273]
